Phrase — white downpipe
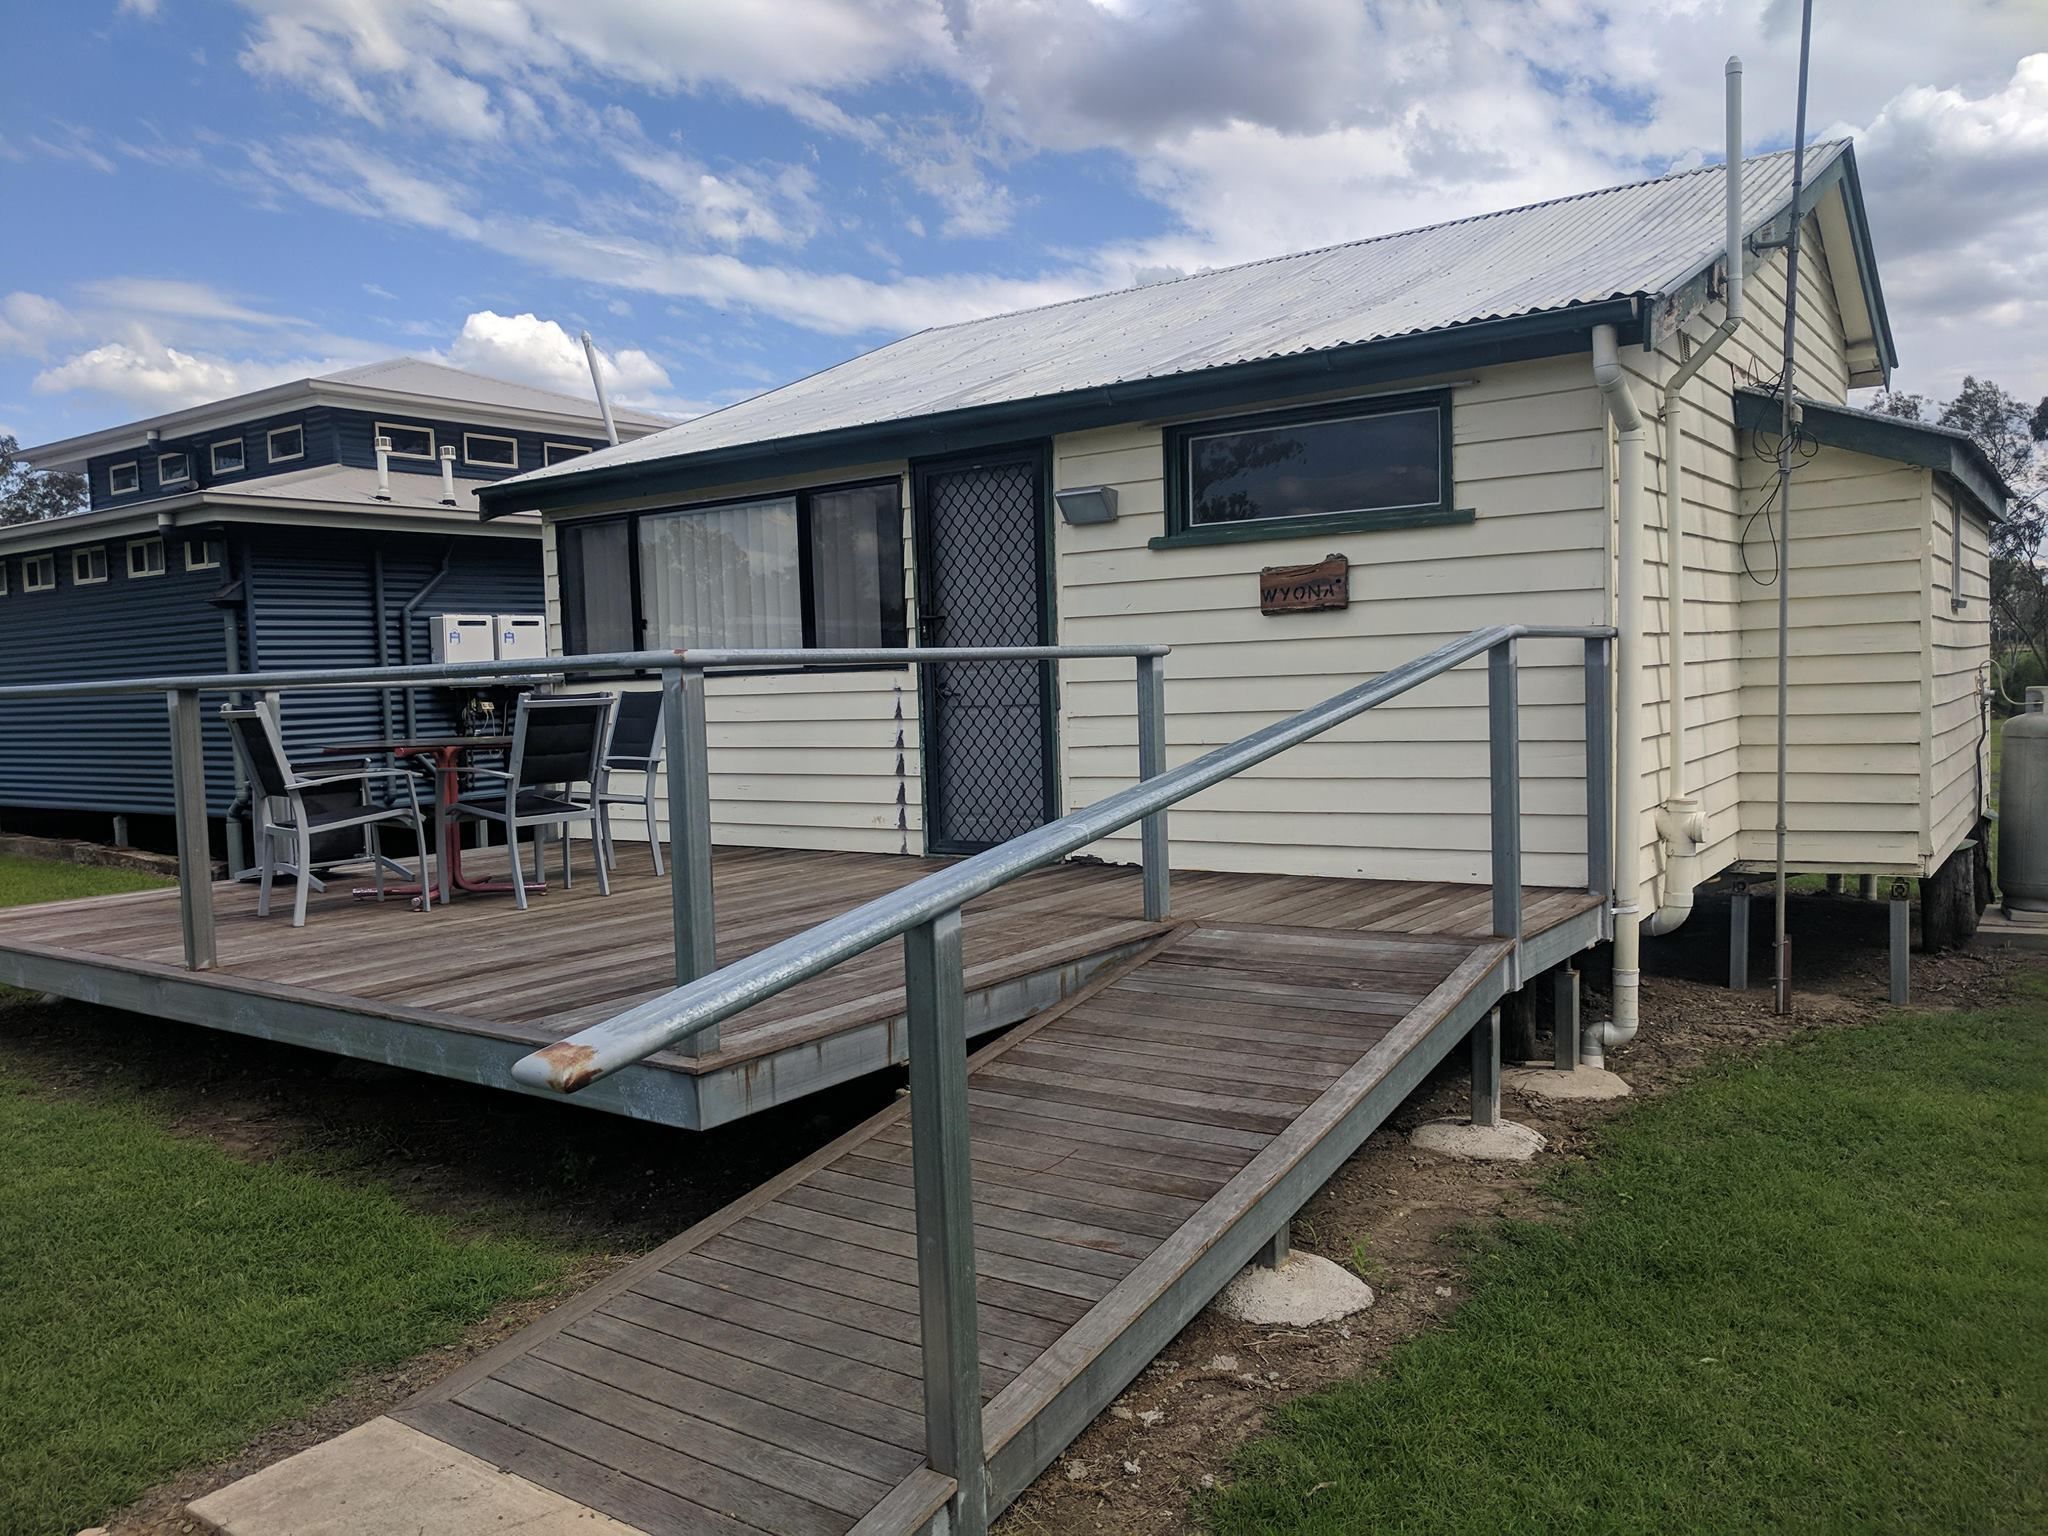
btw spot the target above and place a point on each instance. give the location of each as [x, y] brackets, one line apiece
[1681, 820]
[1628, 700]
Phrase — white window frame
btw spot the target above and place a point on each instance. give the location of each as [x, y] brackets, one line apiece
[207, 561]
[140, 572]
[241, 456]
[567, 450]
[182, 478]
[270, 453]
[383, 429]
[84, 555]
[134, 467]
[489, 437]
[31, 566]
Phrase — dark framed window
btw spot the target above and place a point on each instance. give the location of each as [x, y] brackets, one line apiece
[407, 442]
[816, 567]
[1348, 464]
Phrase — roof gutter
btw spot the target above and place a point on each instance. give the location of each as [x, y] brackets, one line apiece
[1477, 342]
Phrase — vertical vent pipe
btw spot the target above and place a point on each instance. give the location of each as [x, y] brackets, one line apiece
[1681, 820]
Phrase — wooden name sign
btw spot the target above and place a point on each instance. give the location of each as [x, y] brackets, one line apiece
[1306, 588]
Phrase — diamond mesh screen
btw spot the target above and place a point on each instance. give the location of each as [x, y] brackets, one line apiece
[988, 718]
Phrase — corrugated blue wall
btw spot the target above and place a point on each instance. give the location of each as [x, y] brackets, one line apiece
[311, 606]
[309, 597]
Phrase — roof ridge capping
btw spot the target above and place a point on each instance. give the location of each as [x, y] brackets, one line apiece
[1713, 168]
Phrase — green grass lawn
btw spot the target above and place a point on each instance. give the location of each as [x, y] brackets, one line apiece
[26, 880]
[161, 1301]
[1808, 1292]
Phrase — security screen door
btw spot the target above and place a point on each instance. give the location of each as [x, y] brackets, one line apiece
[981, 563]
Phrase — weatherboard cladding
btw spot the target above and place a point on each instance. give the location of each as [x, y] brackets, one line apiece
[318, 422]
[105, 754]
[310, 604]
[1550, 257]
[332, 437]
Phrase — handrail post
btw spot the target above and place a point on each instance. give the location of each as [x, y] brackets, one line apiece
[188, 800]
[1599, 796]
[942, 1178]
[1504, 743]
[1152, 763]
[686, 750]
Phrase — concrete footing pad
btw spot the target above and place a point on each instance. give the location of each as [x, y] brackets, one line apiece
[1304, 1291]
[383, 1477]
[1503, 1142]
[1579, 1083]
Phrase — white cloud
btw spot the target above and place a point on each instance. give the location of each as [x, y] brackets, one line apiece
[530, 350]
[1254, 126]
[30, 323]
[146, 9]
[155, 377]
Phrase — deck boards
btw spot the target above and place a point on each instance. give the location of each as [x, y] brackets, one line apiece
[760, 1372]
[575, 958]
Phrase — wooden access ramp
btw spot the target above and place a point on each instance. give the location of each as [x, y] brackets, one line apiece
[1133, 1147]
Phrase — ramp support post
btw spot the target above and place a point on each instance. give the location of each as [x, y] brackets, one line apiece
[1564, 1018]
[1738, 937]
[1486, 1069]
[1902, 942]
[942, 1179]
[1152, 763]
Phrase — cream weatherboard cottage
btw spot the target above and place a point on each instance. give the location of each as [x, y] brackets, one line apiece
[1429, 406]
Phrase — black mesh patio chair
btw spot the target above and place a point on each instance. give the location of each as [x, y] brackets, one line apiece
[300, 803]
[635, 748]
[557, 745]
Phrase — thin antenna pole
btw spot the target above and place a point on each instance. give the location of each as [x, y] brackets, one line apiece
[1787, 421]
[604, 401]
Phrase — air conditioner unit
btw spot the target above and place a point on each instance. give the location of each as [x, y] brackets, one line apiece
[463, 637]
[521, 636]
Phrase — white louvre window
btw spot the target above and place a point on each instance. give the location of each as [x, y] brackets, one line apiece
[229, 457]
[124, 479]
[88, 566]
[39, 573]
[145, 557]
[408, 442]
[492, 452]
[285, 443]
[201, 555]
[173, 469]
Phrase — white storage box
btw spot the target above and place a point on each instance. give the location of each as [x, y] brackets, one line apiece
[463, 637]
[521, 636]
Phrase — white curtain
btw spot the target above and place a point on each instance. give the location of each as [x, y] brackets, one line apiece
[847, 574]
[722, 576]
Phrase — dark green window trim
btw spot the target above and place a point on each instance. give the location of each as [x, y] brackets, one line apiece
[1266, 530]
[1181, 531]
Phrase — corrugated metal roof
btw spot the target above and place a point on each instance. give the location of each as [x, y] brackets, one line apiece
[441, 383]
[396, 379]
[1645, 238]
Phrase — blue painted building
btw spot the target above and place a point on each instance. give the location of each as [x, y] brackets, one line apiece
[259, 532]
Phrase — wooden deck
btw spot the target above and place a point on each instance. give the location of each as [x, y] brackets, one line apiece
[468, 989]
[1133, 1146]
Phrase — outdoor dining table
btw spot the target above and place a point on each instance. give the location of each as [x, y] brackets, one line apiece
[446, 753]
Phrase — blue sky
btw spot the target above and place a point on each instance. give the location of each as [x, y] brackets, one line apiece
[208, 197]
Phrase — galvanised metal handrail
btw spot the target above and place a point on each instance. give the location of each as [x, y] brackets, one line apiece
[682, 675]
[926, 914]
